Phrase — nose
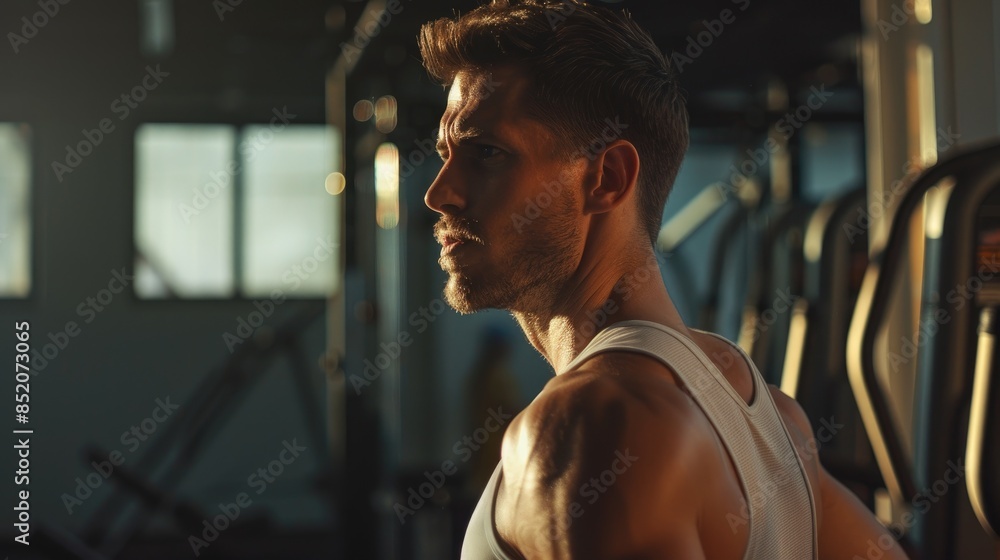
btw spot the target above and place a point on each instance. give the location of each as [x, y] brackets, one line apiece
[446, 195]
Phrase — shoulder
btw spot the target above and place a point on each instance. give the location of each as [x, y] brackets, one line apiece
[798, 425]
[791, 412]
[806, 445]
[597, 409]
[601, 460]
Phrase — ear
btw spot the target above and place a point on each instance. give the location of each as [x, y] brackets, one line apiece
[617, 170]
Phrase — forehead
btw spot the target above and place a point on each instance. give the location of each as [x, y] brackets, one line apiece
[491, 102]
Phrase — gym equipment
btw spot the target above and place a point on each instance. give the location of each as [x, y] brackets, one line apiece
[835, 254]
[954, 192]
[156, 474]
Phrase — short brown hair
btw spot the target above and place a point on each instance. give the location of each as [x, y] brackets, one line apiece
[586, 64]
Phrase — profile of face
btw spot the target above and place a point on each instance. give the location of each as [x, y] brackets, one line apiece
[510, 203]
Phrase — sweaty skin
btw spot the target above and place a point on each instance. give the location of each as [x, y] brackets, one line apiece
[679, 494]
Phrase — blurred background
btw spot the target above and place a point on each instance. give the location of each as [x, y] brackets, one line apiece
[212, 226]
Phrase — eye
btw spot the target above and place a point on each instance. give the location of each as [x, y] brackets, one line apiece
[486, 151]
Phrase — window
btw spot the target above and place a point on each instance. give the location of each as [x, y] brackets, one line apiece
[224, 211]
[832, 160]
[15, 210]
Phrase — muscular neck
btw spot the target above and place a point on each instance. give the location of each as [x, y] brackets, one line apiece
[605, 289]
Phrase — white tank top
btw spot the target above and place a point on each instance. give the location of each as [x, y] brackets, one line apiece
[780, 510]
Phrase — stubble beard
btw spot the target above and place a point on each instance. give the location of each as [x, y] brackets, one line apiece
[529, 276]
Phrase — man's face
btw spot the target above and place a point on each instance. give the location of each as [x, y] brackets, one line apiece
[510, 204]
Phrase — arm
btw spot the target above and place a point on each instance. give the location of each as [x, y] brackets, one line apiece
[847, 529]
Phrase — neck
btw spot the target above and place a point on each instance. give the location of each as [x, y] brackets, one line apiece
[593, 298]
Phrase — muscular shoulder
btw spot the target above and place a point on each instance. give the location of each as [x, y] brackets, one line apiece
[587, 411]
[600, 464]
[799, 427]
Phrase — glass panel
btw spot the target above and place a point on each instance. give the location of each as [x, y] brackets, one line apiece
[832, 160]
[15, 210]
[290, 221]
[184, 210]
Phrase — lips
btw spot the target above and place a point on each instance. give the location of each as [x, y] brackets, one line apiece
[453, 235]
[450, 242]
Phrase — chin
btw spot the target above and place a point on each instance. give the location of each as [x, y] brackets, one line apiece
[456, 294]
[465, 297]
[460, 305]
[462, 299]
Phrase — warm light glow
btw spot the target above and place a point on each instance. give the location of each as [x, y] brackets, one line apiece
[922, 9]
[925, 104]
[794, 354]
[812, 245]
[363, 110]
[387, 186]
[385, 114]
[935, 207]
[335, 183]
[781, 168]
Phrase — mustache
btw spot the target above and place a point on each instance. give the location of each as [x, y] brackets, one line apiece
[455, 227]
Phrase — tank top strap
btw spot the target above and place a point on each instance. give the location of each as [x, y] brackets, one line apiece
[695, 369]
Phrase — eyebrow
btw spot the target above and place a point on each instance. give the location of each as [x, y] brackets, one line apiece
[458, 136]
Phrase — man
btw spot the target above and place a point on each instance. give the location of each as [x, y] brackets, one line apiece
[563, 133]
